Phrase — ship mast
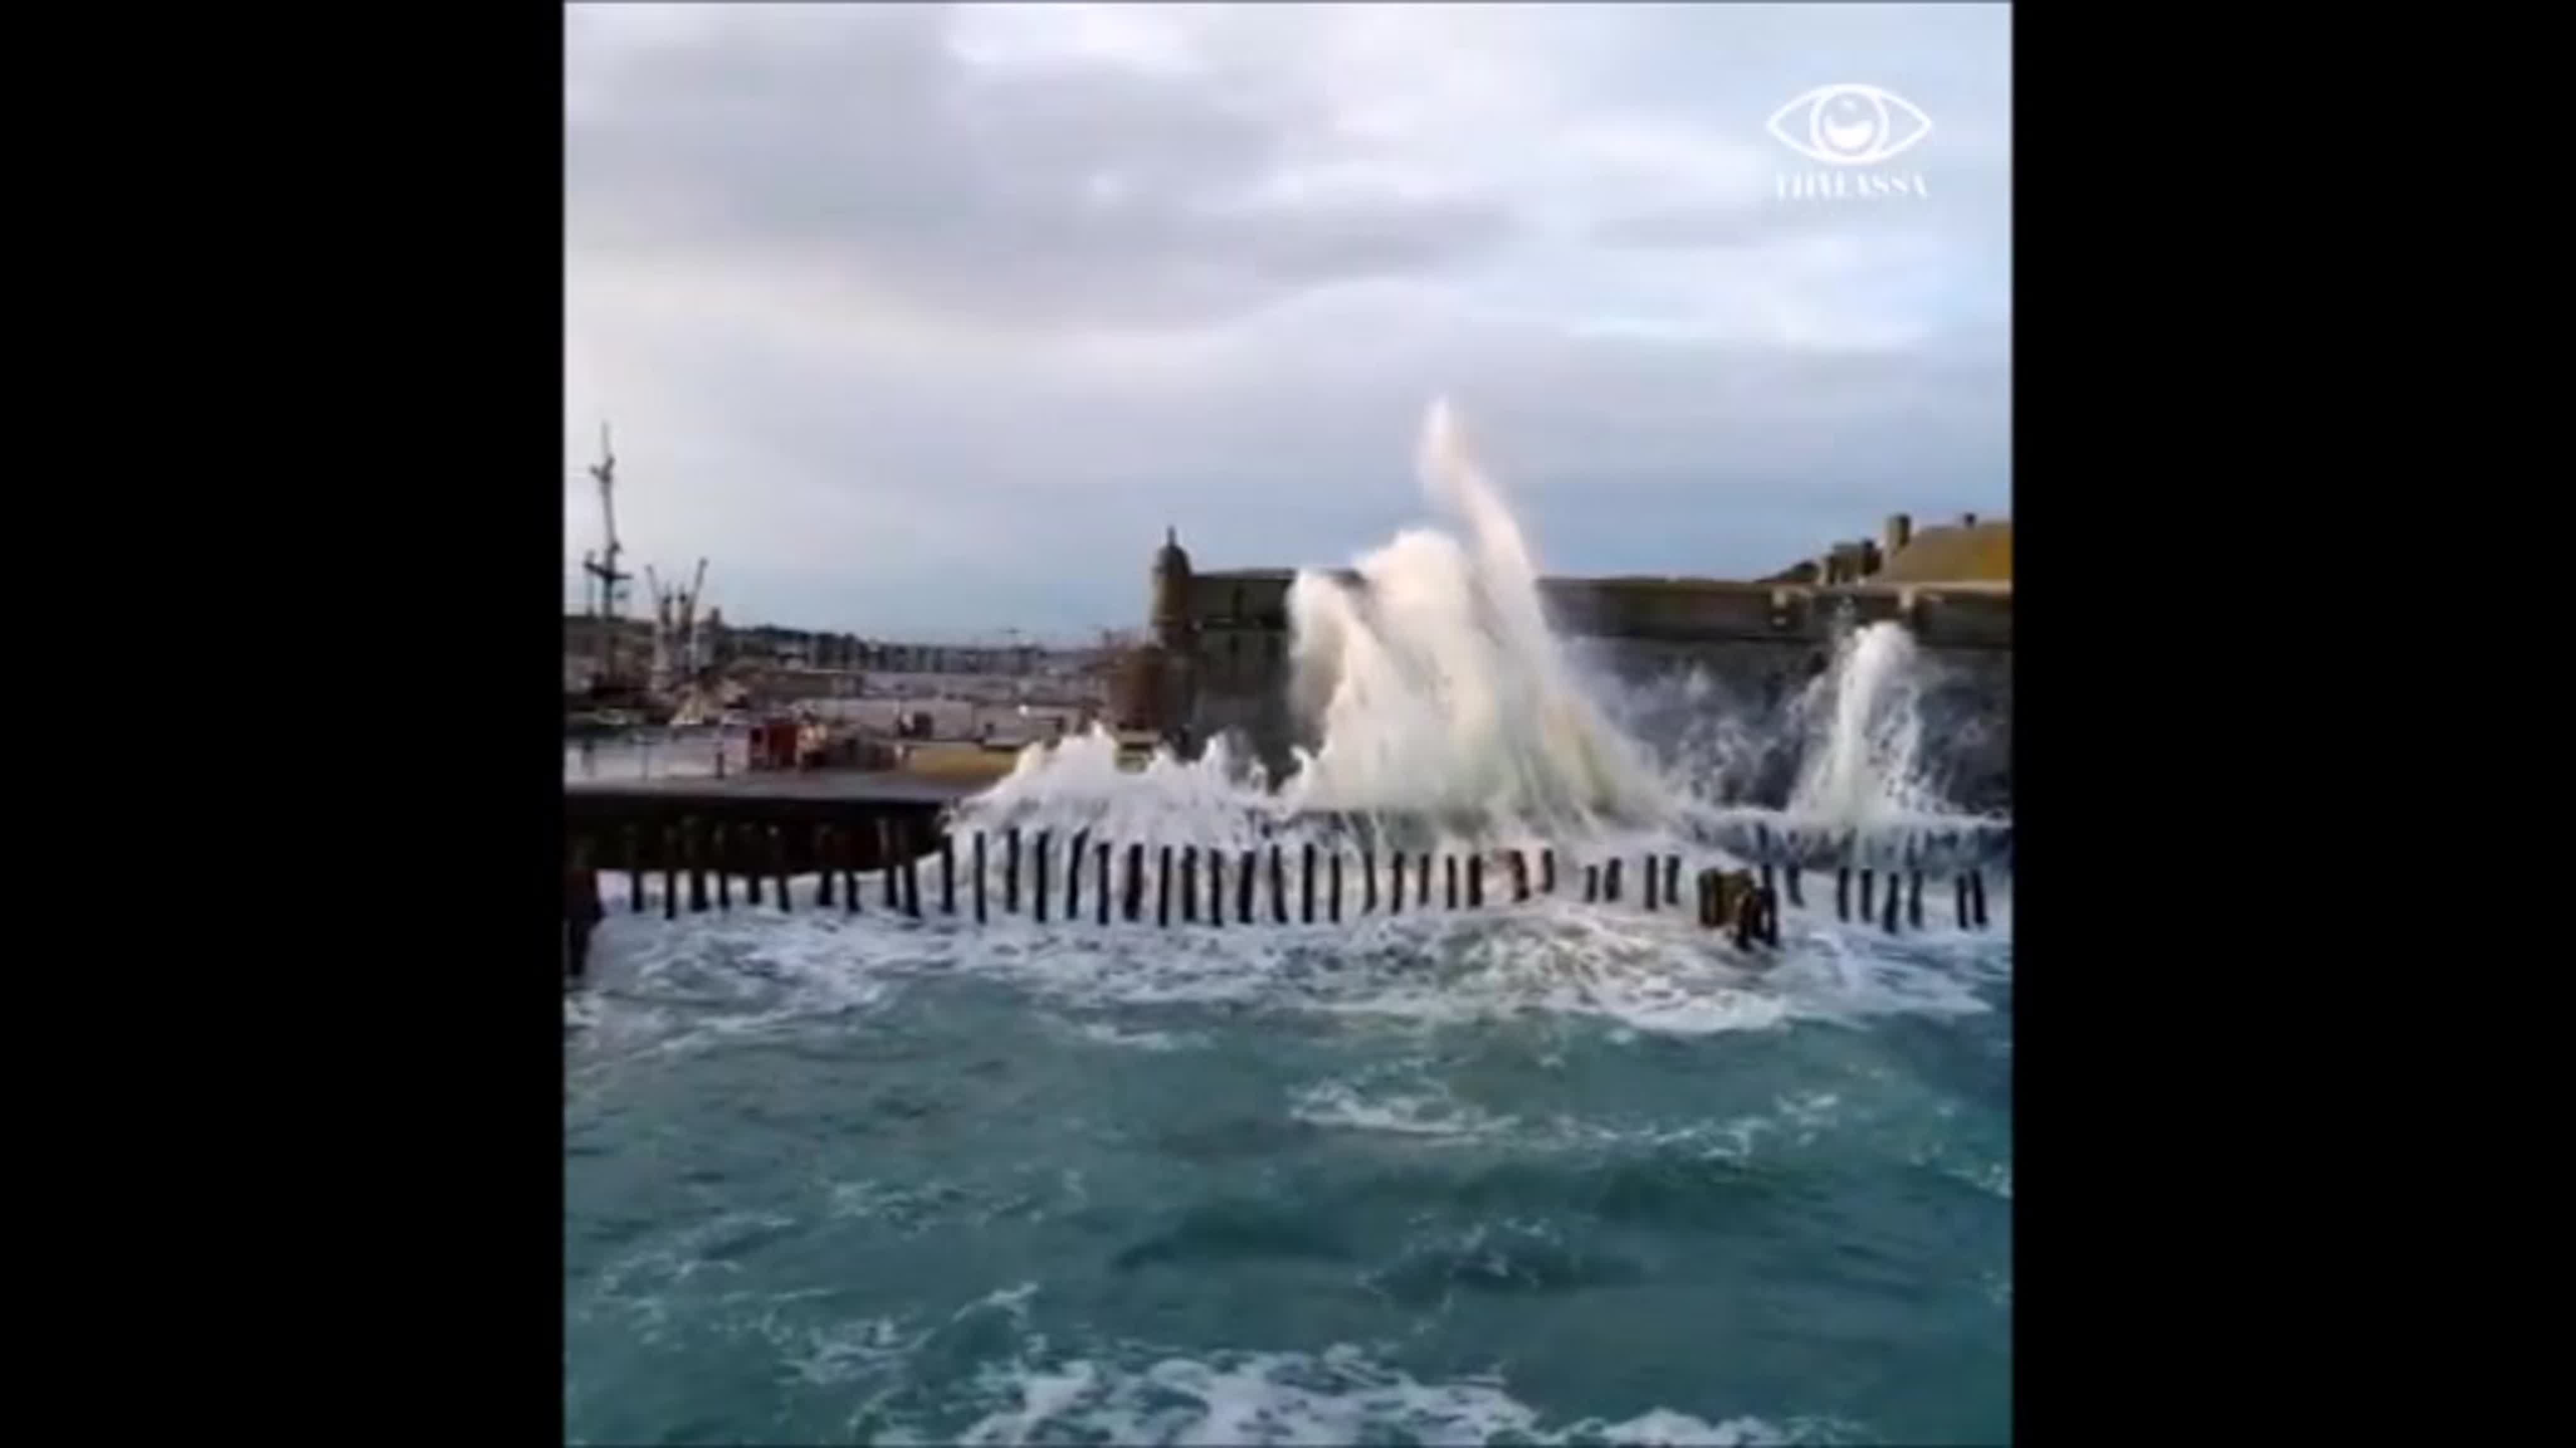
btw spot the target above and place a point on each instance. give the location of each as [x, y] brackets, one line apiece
[609, 612]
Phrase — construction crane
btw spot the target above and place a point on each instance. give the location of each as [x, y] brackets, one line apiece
[675, 628]
[602, 568]
[690, 662]
[657, 673]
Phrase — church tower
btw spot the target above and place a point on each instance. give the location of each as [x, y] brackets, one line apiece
[1170, 613]
[1159, 694]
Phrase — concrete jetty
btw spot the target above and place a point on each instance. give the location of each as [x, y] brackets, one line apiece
[637, 823]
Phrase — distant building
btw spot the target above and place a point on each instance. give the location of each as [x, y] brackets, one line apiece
[1968, 551]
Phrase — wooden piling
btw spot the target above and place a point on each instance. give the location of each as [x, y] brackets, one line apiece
[1476, 882]
[1189, 884]
[885, 863]
[1651, 873]
[1520, 877]
[635, 869]
[1395, 898]
[1449, 881]
[1744, 908]
[1011, 873]
[1038, 877]
[1672, 877]
[1914, 898]
[1868, 884]
[716, 843]
[1895, 903]
[1216, 886]
[1073, 874]
[778, 866]
[1591, 883]
[1100, 892]
[845, 839]
[1422, 886]
[1771, 918]
[1368, 882]
[1842, 892]
[979, 877]
[1135, 882]
[1163, 889]
[1278, 886]
[1610, 881]
[947, 873]
[1959, 899]
[1247, 872]
[692, 836]
[1337, 887]
[1767, 875]
[823, 863]
[1977, 897]
[746, 854]
[1797, 897]
[1306, 886]
[911, 874]
[582, 909]
[1547, 870]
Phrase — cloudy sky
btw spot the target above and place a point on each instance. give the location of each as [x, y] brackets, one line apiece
[927, 320]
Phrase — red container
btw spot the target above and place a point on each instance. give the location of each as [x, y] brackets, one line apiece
[773, 744]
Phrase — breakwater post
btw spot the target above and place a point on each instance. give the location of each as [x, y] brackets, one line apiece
[582, 910]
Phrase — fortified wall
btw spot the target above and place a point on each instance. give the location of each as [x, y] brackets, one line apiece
[1219, 650]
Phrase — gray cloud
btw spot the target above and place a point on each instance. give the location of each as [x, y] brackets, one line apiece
[1098, 195]
[919, 318]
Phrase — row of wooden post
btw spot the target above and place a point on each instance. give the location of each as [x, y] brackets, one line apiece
[1724, 899]
[758, 855]
[1968, 895]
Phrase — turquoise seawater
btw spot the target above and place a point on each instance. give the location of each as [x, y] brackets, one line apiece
[1546, 1173]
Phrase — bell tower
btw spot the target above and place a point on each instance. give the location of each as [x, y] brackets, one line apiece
[1161, 692]
[1170, 614]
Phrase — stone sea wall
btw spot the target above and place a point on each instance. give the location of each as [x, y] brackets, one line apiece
[1708, 672]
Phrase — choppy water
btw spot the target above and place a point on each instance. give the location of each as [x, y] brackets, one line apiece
[1556, 1173]
[1536, 1174]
